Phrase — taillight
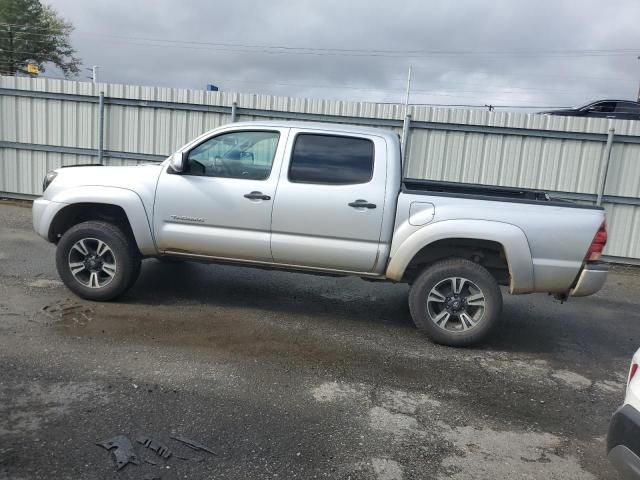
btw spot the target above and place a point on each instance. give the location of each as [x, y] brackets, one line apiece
[632, 372]
[597, 245]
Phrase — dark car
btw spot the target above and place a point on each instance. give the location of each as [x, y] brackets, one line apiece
[622, 109]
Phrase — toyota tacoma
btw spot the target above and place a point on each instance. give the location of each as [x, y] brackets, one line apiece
[325, 199]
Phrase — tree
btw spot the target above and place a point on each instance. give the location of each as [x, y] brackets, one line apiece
[32, 33]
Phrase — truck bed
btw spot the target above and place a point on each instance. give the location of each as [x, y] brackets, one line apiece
[486, 192]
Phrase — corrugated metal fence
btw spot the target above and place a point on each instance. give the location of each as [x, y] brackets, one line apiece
[46, 123]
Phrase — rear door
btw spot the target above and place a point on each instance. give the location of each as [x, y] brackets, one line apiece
[329, 205]
[628, 110]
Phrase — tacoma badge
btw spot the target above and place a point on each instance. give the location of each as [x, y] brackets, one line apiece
[184, 218]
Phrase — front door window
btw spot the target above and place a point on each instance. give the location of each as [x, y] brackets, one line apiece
[246, 154]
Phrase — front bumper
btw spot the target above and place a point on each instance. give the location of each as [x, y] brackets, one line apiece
[623, 442]
[591, 279]
[43, 212]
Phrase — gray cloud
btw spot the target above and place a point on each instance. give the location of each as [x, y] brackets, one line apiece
[520, 78]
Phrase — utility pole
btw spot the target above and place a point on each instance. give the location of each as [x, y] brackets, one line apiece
[404, 139]
[12, 67]
[406, 101]
[639, 86]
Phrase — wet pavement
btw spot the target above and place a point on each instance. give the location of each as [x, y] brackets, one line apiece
[285, 375]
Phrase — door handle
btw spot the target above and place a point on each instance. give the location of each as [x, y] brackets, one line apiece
[362, 204]
[257, 196]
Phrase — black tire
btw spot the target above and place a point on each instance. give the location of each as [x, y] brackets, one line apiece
[440, 275]
[122, 250]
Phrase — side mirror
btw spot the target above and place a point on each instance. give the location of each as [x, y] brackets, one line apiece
[178, 161]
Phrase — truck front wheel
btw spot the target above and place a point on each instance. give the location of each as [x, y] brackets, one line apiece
[456, 302]
[97, 260]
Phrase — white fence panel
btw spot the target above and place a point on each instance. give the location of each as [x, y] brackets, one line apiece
[46, 123]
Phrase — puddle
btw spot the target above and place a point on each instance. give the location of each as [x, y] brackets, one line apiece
[299, 340]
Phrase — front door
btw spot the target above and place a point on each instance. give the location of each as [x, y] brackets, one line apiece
[602, 110]
[329, 206]
[220, 205]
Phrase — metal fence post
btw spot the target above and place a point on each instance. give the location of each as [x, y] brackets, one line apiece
[234, 105]
[606, 156]
[100, 127]
[406, 125]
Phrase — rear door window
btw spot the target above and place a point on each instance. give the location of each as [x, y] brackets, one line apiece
[331, 160]
[628, 107]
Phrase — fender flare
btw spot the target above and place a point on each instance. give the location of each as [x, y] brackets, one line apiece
[511, 237]
[126, 199]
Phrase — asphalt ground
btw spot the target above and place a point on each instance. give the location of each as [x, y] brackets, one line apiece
[286, 375]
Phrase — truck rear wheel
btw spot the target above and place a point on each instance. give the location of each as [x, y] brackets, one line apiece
[456, 302]
[97, 260]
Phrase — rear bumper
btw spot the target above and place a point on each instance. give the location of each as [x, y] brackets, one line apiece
[623, 442]
[591, 279]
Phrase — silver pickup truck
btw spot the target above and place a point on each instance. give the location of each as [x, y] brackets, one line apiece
[326, 199]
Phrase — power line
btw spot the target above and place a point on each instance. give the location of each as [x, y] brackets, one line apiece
[532, 74]
[268, 51]
[520, 90]
[286, 49]
[462, 105]
[497, 90]
[419, 104]
[373, 52]
[473, 93]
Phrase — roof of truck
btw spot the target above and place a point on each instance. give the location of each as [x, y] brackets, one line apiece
[334, 127]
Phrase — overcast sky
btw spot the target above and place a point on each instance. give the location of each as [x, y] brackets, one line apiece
[501, 52]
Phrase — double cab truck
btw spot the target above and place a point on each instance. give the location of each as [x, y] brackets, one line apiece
[325, 199]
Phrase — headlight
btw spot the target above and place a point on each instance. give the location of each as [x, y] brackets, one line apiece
[48, 178]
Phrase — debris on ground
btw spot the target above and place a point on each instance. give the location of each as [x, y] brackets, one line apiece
[191, 459]
[69, 310]
[160, 449]
[123, 453]
[192, 444]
